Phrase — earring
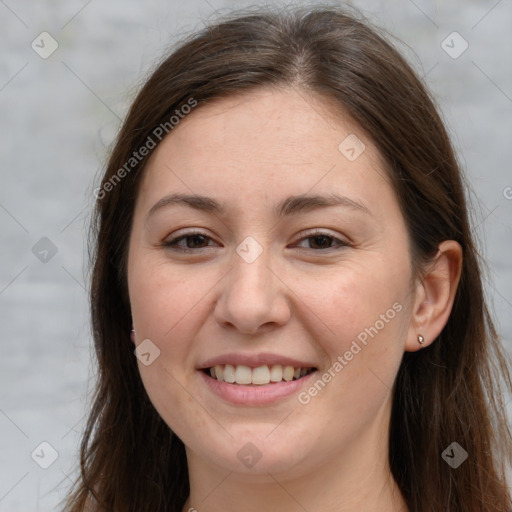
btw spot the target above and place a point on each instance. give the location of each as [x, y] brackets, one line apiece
[132, 334]
[421, 339]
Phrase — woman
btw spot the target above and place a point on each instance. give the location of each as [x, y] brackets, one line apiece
[286, 298]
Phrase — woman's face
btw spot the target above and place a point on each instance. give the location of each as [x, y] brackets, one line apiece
[267, 237]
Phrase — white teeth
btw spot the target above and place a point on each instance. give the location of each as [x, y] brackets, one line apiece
[276, 373]
[261, 375]
[243, 374]
[288, 373]
[229, 374]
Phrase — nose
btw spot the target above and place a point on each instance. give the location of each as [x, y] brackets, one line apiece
[253, 297]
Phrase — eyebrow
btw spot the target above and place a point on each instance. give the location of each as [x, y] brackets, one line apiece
[290, 206]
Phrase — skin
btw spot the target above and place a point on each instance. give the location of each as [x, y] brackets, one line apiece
[297, 298]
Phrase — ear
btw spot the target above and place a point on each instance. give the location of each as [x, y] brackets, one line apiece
[434, 295]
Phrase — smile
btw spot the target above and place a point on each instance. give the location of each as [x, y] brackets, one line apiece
[261, 375]
[262, 385]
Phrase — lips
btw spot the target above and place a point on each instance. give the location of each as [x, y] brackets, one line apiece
[255, 379]
[252, 395]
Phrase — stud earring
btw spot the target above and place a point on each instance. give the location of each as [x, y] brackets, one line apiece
[421, 339]
[132, 334]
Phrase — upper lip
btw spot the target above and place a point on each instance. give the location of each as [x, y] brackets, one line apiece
[254, 360]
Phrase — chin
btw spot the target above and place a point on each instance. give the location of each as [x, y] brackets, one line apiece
[257, 453]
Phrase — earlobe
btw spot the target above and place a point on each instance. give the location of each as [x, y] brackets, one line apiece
[435, 294]
[132, 334]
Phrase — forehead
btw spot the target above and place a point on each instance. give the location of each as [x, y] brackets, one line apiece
[268, 141]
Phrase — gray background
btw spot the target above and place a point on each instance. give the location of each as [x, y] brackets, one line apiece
[59, 115]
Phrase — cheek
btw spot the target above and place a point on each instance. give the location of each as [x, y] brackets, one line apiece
[366, 319]
[163, 299]
[357, 299]
[167, 307]
[361, 324]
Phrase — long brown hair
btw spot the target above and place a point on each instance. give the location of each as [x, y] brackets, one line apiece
[448, 392]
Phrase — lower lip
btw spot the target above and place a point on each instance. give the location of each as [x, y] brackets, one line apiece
[254, 394]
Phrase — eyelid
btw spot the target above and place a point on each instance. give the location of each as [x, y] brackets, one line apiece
[170, 242]
[303, 235]
[187, 232]
[345, 241]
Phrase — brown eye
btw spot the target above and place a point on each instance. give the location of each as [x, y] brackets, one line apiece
[189, 242]
[195, 241]
[321, 241]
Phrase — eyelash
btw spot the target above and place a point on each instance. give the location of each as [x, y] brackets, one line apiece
[173, 243]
